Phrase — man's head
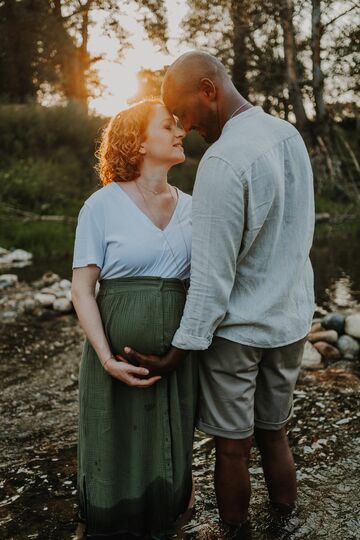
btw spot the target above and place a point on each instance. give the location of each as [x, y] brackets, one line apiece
[193, 89]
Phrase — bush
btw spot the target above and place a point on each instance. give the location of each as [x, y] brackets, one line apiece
[43, 240]
[194, 145]
[47, 157]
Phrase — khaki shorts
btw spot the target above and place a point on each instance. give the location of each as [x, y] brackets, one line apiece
[243, 386]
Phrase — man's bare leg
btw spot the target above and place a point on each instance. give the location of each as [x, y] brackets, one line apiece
[278, 465]
[232, 480]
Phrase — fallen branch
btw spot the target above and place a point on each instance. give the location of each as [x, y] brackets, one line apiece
[31, 216]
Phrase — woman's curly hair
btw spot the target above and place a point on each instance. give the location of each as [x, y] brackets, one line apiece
[118, 155]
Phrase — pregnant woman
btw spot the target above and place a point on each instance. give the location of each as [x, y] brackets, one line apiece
[134, 237]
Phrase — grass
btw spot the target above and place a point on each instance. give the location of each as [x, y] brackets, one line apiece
[42, 239]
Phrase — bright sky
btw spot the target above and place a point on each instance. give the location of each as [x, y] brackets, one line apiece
[119, 79]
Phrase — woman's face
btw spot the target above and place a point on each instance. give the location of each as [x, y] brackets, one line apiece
[163, 144]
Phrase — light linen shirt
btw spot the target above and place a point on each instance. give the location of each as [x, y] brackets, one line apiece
[253, 223]
[114, 234]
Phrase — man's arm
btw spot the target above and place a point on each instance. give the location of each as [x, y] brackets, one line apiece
[217, 230]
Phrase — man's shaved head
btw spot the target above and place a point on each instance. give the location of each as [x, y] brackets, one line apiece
[185, 74]
[198, 90]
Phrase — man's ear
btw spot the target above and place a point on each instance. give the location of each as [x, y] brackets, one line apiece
[208, 89]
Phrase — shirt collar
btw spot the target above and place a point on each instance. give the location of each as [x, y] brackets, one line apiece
[242, 116]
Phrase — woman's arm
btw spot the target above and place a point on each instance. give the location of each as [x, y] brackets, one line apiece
[83, 297]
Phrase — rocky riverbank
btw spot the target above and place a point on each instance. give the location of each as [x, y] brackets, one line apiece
[334, 341]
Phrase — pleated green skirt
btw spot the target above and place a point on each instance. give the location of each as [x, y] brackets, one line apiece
[135, 445]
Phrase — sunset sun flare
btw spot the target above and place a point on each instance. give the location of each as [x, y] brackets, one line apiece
[118, 73]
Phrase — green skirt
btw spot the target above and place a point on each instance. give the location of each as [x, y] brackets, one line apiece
[135, 445]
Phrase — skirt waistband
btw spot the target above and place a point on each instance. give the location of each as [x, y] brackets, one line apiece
[141, 283]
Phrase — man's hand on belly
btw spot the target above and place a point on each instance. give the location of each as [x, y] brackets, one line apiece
[157, 365]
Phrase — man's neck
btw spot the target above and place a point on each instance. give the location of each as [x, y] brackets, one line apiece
[234, 104]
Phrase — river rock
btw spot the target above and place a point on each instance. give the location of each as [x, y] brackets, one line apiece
[49, 278]
[352, 325]
[61, 294]
[8, 316]
[346, 365]
[327, 351]
[20, 255]
[8, 280]
[316, 327]
[311, 358]
[65, 284]
[63, 305]
[330, 336]
[48, 290]
[348, 347]
[334, 321]
[44, 299]
[29, 305]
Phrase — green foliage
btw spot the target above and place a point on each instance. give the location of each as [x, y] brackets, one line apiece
[335, 207]
[183, 176]
[47, 158]
[43, 240]
[194, 145]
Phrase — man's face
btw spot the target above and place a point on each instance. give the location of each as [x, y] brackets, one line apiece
[196, 112]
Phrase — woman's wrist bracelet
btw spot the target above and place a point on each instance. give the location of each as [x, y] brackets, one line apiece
[107, 360]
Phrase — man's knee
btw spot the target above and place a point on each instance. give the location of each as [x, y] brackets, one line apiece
[233, 449]
[268, 438]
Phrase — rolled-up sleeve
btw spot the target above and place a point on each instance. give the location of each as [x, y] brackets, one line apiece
[218, 224]
[89, 245]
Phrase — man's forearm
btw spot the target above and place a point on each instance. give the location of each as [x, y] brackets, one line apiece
[175, 355]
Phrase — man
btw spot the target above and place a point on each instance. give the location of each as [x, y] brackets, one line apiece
[250, 302]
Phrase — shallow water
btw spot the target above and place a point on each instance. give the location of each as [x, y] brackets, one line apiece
[38, 411]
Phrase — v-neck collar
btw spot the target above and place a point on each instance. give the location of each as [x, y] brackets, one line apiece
[145, 216]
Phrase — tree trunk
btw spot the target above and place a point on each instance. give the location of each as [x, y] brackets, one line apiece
[318, 77]
[74, 59]
[238, 12]
[296, 100]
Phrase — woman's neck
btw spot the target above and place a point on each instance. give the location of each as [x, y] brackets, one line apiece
[154, 178]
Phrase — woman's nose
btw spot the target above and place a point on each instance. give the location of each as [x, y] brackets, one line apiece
[180, 132]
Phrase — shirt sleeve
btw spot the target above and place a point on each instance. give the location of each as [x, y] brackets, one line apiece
[89, 245]
[217, 230]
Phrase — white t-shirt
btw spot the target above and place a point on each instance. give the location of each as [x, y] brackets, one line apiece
[114, 234]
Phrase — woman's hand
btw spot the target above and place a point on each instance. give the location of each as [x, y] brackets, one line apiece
[129, 374]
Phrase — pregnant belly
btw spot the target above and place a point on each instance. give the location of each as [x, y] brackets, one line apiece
[145, 322]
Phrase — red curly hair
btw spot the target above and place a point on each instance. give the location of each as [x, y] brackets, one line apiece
[118, 155]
